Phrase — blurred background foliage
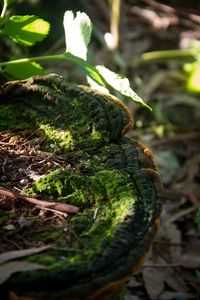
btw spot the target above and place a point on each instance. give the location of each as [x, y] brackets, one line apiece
[156, 44]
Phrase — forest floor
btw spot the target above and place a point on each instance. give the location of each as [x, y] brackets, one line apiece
[171, 131]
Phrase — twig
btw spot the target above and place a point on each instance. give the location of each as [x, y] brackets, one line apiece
[177, 138]
[53, 205]
[180, 214]
[172, 10]
[63, 214]
[183, 244]
[76, 237]
[162, 265]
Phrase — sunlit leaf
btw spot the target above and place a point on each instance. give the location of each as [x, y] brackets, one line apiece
[97, 86]
[26, 30]
[77, 33]
[120, 84]
[23, 70]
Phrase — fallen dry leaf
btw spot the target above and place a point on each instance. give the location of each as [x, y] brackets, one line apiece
[11, 255]
[6, 270]
[132, 297]
[169, 295]
[175, 281]
[191, 260]
[154, 278]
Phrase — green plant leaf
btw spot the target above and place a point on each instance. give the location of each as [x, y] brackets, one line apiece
[87, 68]
[77, 33]
[26, 30]
[97, 86]
[120, 84]
[9, 2]
[24, 70]
[3, 20]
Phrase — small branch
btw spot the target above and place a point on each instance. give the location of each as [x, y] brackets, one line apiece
[180, 214]
[162, 265]
[115, 20]
[32, 59]
[168, 54]
[63, 214]
[53, 205]
[176, 138]
[165, 55]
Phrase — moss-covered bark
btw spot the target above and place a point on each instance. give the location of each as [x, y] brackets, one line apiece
[111, 178]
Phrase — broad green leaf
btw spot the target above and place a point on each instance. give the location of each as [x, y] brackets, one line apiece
[23, 70]
[9, 2]
[3, 20]
[78, 31]
[26, 30]
[120, 84]
[87, 68]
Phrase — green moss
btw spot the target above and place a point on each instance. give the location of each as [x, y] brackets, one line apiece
[60, 138]
[46, 234]
[13, 116]
[46, 260]
[107, 198]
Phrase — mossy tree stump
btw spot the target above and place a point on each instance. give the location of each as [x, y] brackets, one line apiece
[112, 179]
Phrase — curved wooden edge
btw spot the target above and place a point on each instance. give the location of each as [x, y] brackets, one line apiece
[145, 156]
[110, 288]
[116, 101]
[120, 104]
[155, 178]
[12, 85]
[118, 284]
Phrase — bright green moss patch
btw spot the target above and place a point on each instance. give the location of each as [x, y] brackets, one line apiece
[106, 199]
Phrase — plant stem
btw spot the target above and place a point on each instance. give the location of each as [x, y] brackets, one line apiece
[168, 54]
[164, 55]
[87, 68]
[4, 8]
[32, 59]
[115, 19]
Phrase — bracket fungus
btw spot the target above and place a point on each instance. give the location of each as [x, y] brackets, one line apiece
[111, 178]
